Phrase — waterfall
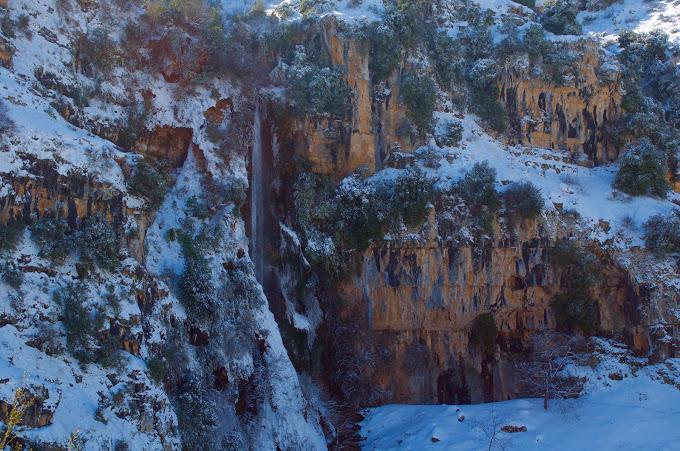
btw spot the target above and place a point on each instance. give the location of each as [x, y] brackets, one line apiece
[257, 200]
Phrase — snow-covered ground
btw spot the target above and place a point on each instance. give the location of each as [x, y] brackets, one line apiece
[639, 412]
[347, 10]
[636, 15]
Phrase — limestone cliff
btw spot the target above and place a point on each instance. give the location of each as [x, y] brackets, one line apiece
[570, 115]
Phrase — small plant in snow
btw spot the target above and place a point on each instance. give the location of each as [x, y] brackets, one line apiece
[148, 183]
[450, 134]
[542, 375]
[196, 287]
[6, 124]
[12, 420]
[53, 237]
[48, 340]
[78, 323]
[11, 275]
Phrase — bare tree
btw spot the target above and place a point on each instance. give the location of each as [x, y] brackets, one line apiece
[542, 375]
[491, 426]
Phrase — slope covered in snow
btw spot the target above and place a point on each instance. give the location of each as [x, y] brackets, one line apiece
[634, 15]
[605, 212]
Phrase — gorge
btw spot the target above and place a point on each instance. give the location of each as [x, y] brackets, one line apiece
[272, 225]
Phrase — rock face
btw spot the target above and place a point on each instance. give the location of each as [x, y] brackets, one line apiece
[74, 196]
[370, 132]
[571, 116]
[418, 300]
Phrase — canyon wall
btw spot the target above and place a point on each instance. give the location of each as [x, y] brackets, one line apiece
[419, 298]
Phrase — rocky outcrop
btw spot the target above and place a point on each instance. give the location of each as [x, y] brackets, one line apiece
[33, 404]
[6, 51]
[166, 144]
[73, 196]
[571, 116]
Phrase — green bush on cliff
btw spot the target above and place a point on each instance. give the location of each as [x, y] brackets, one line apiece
[361, 220]
[196, 288]
[446, 55]
[662, 233]
[535, 41]
[9, 234]
[405, 17]
[77, 321]
[317, 89]
[559, 17]
[484, 103]
[523, 200]
[98, 243]
[478, 190]
[413, 191]
[642, 170]
[573, 306]
[149, 183]
[158, 369]
[419, 94]
[53, 237]
[385, 51]
[528, 3]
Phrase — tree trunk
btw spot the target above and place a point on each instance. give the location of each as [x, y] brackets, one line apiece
[545, 401]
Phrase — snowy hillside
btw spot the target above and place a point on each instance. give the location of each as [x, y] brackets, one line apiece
[639, 16]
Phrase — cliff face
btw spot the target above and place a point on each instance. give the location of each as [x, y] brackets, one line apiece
[573, 115]
[419, 298]
[414, 300]
[366, 137]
